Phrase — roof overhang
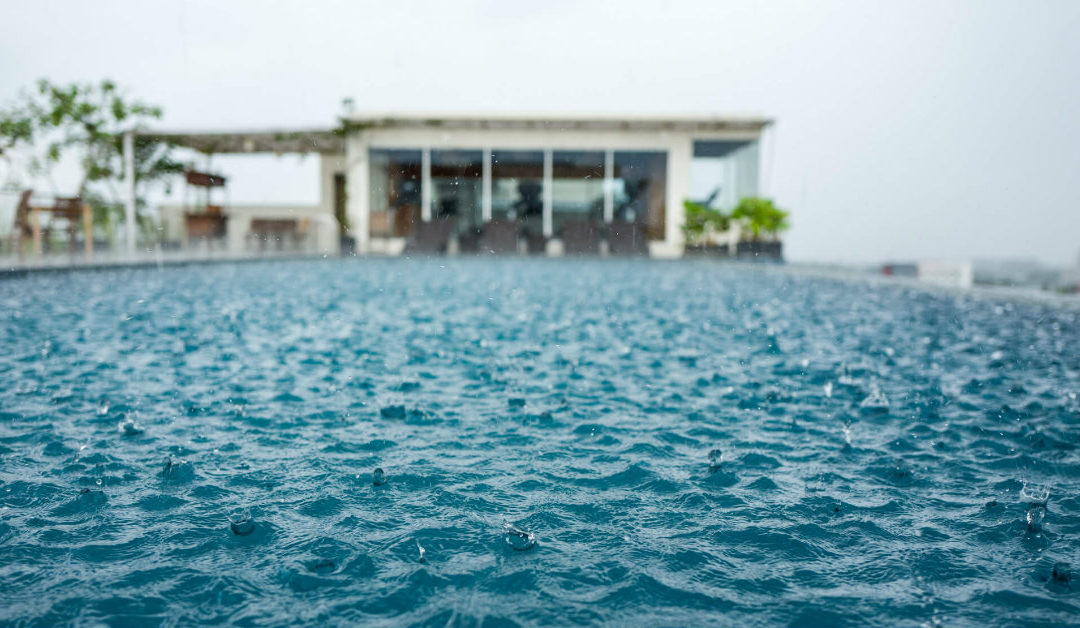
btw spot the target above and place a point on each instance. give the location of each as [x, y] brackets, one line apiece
[548, 122]
[278, 141]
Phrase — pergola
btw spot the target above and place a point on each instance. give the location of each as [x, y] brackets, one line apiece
[276, 141]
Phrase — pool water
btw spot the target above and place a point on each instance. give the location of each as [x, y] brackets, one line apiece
[560, 442]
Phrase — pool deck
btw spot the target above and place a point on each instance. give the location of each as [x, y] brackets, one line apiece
[11, 268]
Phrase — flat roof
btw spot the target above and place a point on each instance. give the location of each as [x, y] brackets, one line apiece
[331, 141]
[558, 121]
[318, 140]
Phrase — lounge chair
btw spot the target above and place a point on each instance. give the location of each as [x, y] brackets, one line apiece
[431, 237]
[580, 237]
[627, 238]
[500, 237]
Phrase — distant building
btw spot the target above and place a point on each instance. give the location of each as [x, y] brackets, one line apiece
[545, 185]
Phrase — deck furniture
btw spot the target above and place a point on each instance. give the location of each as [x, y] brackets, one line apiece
[580, 237]
[206, 222]
[500, 237]
[431, 237]
[28, 223]
[627, 238]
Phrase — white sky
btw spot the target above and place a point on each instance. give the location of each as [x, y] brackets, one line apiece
[905, 130]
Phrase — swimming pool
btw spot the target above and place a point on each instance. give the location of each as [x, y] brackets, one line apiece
[881, 448]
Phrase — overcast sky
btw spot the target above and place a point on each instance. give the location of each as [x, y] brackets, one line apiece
[905, 130]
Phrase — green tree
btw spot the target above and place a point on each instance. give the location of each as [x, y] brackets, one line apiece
[760, 215]
[89, 121]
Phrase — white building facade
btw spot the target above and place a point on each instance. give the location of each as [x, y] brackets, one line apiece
[555, 183]
[543, 173]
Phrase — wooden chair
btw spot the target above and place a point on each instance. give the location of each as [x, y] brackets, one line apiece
[28, 223]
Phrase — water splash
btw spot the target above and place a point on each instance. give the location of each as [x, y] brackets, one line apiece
[378, 477]
[422, 551]
[876, 401]
[847, 431]
[129, 427]
[716, 459]
[241, 522]
[1037, 499]
[1061, 573]
[520, 540]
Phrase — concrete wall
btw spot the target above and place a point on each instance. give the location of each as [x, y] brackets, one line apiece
[678, 145]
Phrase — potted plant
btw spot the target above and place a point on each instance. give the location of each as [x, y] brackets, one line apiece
[704, 228]
[761, 222]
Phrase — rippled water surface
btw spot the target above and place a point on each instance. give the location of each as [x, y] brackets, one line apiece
[198, 445]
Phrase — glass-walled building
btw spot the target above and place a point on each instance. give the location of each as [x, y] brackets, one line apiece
[554, 186]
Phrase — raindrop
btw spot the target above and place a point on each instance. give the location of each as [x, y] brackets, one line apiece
[716, 458]
[520, 540]
[1037, 499]
[1061, 573]
[129, 427]
[240, 522]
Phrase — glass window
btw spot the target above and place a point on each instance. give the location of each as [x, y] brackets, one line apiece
[395, 192]
[456, 187]
[517, 187]
[577, 187]
[640, 182]
[722, 172]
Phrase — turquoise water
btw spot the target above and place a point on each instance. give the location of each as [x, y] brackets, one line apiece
[198, 445]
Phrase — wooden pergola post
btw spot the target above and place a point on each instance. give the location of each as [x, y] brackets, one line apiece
[88, 230]
[35, 229]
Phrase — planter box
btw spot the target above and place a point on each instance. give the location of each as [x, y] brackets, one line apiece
[761, 251]
[747, 251]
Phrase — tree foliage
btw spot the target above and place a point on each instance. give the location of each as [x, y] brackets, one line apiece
[88, 121]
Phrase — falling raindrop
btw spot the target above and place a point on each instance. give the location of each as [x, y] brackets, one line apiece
[520, 540]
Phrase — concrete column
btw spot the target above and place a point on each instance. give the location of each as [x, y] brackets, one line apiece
[678, 190]
[358, 196]
[485, 197]
[609, 185]
[548, 190]
[425, 185]
[129, 190]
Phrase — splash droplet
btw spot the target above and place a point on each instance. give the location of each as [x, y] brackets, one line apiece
[241, 523]
[520, 540]
[716, 458]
